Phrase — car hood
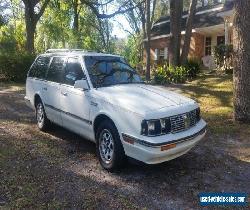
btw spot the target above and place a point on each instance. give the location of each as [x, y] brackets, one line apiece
[141, 98]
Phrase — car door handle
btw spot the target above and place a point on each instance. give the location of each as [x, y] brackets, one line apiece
[64, 93]
[44, 88]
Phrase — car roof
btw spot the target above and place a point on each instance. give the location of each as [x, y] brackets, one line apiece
[75, 53]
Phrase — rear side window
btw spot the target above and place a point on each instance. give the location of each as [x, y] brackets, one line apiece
[39, 68]
[73, 71]
[56, 69]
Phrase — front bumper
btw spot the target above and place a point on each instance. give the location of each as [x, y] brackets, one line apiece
[153, 153]
[28, 102]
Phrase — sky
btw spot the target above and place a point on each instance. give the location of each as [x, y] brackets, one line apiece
[119, 22]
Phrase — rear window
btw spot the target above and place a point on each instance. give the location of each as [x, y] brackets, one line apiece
[39, 68]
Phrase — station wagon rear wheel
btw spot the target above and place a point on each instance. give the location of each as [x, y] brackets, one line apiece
[41, 118]
[109, 147]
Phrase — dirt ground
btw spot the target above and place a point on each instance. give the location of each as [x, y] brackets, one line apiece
[59, 170]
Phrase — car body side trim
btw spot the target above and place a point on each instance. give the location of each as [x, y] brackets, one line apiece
[70, 114]
[149, 144]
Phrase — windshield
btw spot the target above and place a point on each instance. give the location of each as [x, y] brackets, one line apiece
[108, 70]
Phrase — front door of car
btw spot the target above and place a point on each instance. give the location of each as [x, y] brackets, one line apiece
[75, 103]
[52, 89]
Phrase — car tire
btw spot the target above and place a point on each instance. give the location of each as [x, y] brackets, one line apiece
[109, 148]
[43, 122]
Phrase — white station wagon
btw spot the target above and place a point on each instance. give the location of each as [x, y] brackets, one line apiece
[100, 97]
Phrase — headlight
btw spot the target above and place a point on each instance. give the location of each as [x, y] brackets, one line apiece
[155, 127]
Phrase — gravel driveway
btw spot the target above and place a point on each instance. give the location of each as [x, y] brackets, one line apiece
[59, 169]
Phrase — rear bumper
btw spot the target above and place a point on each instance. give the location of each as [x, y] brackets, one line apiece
[28, 102]
[158, 153]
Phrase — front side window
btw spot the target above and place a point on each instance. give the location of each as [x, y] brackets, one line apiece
[56, 69]
[110, 70]
[73, 71]
[39, 68]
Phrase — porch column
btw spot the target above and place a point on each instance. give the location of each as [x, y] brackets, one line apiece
[226, 30]
[156, 54]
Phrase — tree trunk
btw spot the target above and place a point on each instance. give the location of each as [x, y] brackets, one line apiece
[30, 30]
[30, 36]
[147, 47]
[147, 44]
[172, 32]
[31, 19]
[76, 23]
[76, 16]
[143, 23]
[242, 61]
[176, 7]
[189, 27]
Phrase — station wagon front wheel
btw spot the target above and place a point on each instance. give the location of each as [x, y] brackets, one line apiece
[106, 146]
[109, 147]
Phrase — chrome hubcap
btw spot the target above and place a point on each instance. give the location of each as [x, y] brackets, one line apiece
[106, 146]
[39, 114]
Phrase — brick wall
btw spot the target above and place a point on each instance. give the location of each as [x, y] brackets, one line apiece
[196, 46]
[156, 44]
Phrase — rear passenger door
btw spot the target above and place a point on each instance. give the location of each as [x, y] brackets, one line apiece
[52, 91]
[75, 103]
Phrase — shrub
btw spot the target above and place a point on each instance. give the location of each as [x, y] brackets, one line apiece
[223, 57]
[14, 66]
[193, 67]
[168, 74]
[160, 75]
[177, 74]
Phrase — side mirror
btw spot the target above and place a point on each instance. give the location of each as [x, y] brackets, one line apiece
[81, 84]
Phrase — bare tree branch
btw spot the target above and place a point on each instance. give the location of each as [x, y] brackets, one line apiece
[120, 10]
[124, 28]
[153, 13]
[102, 4]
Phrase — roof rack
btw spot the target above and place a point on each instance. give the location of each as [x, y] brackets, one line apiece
[66, 50]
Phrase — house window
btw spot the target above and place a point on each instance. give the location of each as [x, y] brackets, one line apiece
[208, 47]
[220, 40]
[161, 54]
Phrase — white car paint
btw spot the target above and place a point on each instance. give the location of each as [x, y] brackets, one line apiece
[126, 105]
[151, 98]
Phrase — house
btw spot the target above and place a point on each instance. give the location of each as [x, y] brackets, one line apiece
[212, 26]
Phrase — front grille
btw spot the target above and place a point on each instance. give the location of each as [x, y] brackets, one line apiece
[183, 121]
[192, 116]
[177, 123]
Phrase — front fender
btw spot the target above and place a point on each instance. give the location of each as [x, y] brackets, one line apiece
[124, 120]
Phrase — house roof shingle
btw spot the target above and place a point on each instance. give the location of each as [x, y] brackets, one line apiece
[202, 19]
